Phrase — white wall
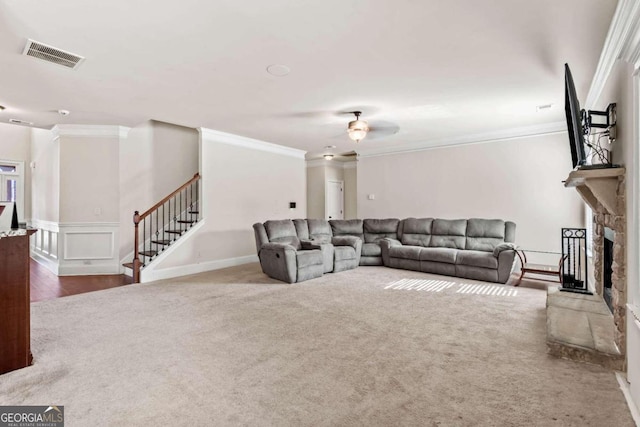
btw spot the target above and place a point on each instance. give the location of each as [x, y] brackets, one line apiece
[350, 190]
[518, 180]
[45, 183]
[155, 159]
[315, 191]
[243, 182]
[89, 181]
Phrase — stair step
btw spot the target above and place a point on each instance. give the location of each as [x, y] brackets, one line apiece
[161, 242]
[128, 265]
[186, 221]
[173, 231]
[148, 253]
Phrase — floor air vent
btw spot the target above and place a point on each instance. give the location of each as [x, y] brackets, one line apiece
[52, 54]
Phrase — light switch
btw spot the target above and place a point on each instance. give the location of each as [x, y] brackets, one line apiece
[371, 197]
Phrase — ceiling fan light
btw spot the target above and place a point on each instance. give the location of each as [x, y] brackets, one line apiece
[328, 156]
[358, 130]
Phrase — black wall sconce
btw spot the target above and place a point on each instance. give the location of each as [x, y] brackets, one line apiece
[292, 205]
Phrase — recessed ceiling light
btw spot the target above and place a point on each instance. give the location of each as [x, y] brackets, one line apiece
[278, 70]
[543, 107]
[329, 147]
[64, 112]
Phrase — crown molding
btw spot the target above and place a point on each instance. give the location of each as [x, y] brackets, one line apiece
[334, 163]
[622, 42]
[478, 138]
[95, 131]
[253, 144]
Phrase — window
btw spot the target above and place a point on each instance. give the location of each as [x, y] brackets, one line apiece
[12, 184]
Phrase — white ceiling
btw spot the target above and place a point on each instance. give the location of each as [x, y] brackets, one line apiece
[439, 70]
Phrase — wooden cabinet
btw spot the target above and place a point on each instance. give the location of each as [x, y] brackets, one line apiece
[15, 326]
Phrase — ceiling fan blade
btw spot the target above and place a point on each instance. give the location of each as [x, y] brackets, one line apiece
[382, 129]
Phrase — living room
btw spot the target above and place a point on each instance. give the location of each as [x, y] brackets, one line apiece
[485, 153]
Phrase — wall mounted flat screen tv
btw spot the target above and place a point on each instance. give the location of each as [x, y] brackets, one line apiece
[574, 120]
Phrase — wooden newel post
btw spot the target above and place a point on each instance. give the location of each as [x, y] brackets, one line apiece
[136, 260]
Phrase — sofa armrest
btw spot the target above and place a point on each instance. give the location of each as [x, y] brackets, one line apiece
[277, 247]
[503, 247]
[506, 262]
[278, 260]
[353, 241]
[346, 241]
[385, 244]
[389, 242]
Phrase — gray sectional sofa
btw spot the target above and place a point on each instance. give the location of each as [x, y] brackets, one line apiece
[301, 249]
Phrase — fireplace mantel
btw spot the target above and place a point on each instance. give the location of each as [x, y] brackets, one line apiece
[597, 185]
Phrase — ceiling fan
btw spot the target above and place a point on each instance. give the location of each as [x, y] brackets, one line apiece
[358, 129]
[344, 157]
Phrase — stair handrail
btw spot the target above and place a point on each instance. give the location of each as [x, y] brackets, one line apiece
[166, 199]
[137, 217]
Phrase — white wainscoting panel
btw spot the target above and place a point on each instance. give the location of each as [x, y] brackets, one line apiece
[71, 249]
[88, 245]
[44, 244]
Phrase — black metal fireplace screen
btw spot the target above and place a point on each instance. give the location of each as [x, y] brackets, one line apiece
[574, 264]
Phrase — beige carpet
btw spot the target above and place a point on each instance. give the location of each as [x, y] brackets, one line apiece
[233, 347]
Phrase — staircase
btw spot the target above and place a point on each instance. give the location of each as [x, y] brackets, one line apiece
[161, 225]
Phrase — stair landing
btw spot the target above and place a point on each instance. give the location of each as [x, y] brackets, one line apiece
[580, 327]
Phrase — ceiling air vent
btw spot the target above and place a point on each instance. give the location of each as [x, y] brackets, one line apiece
[52, 54]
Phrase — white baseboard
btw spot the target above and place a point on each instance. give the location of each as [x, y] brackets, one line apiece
[87, 270]
[624, 386]
[47, 263]
[184, 270]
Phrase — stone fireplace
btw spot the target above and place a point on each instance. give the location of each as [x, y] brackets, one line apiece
[604, 190]
[609, 260]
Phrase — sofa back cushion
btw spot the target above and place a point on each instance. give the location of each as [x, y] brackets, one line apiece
[416, 231]
[484, 234]
[347, 227]
[282, 231]
[302, 228]
[320, 230]
[376, 229]
[449, 233]
[510, 232]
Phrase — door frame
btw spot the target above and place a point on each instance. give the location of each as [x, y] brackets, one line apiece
[20, 174]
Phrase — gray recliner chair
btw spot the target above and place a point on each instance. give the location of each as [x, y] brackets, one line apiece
[283, 256]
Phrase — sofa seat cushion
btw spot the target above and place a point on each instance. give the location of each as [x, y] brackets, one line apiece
[405, 252]
[344, 253]
[309, 258]
[447, 255]
[477, 259]
[371, 249]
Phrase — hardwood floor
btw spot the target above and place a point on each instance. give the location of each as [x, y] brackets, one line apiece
[46, 285]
